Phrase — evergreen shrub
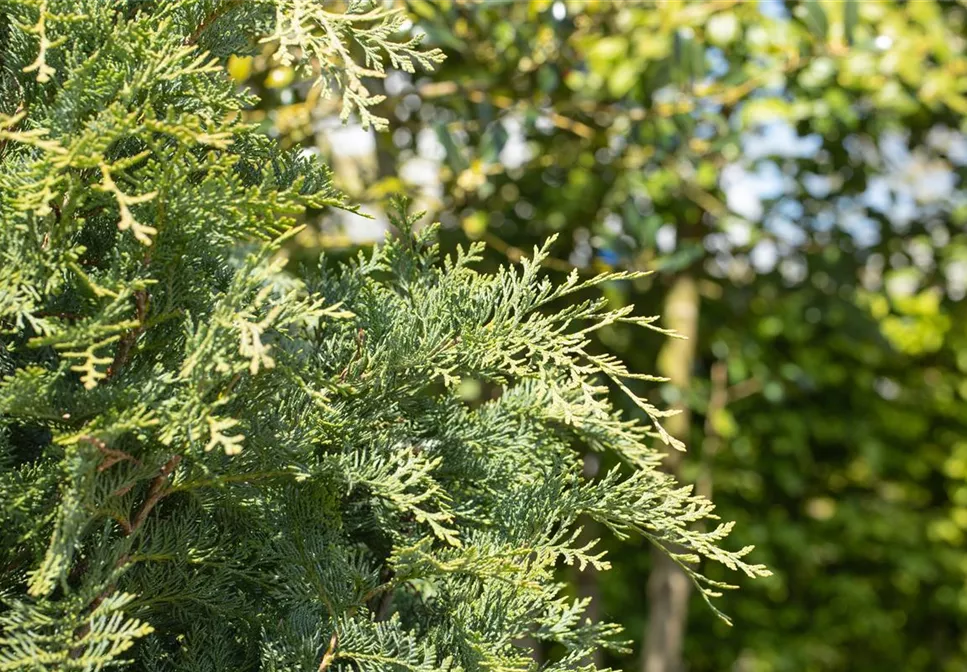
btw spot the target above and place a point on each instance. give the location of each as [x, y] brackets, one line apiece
[210, 460]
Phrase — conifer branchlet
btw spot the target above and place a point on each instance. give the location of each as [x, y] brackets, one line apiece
[212, 461]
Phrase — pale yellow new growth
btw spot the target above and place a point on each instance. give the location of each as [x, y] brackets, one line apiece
[232, 445]
[40, 66]
[142, 232]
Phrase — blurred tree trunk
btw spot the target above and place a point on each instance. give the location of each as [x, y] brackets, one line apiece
[668, 586]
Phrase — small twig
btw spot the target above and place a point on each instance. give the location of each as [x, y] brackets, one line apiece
[120, 492]
[209, 20]
[113, 456]
[124, 523]
[231, 385]
[744, 389]
[156, 493]
[330, 654]
[130, 338]
[360, 342]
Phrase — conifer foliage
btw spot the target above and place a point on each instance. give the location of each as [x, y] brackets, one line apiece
[212, 461]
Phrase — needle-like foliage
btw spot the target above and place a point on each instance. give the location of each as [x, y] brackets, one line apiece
[209, 461]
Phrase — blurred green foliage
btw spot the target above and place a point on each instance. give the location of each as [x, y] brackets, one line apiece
[803, 162]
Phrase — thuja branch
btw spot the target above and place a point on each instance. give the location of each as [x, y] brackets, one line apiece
[156, 493]
[335, 498]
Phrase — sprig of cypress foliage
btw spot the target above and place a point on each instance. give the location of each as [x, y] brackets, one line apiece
[210, 461]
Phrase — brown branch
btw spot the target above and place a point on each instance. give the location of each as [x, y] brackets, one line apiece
[156, 493]
[209, 20]
[123, 490]
[330, 654]
[113, 456]
[130, 338]
[124, 523]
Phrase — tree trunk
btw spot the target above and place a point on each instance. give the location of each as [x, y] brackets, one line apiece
[668, 586]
